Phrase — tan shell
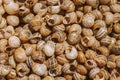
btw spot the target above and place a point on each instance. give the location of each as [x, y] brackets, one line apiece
[13, 20]
[81, 57]
[71, 53]
[22, 69]
[88, 20]
[3, 58]
[115, 7]
[20, 55]
[14, 41]
[68, 6]
[70, 18]
[11, 8]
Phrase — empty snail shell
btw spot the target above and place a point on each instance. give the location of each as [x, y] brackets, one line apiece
[22, 69]
[49, 48]
[4, 70]
[71, 53]
[88, 20]
[20, 55]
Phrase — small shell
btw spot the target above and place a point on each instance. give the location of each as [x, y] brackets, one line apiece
[36, 22]
[13, 20]
[73, 38]
[98, 14]
[87, 9]
[90, 64]
[11, 8]
[100, 33]
[3, 43]
[55, 71]
[54, 9]
[58, 36]
[23, 11]
[103, 50]
[14, 42]
[88, 41]
[115, 8]
[3, 58]
[93, 3]
[3, 23]
[79, 2]
[12, 62]
[104, 1]
[54, 19]
[39, 69]
[116, 17]
[22, 69]
[87, 32]
[28, 48]
[111, 65]
[71, 53]
[115, 49]
[28, 18]
[38, 56]
[105, 41]
[40, 45]
[103, 75]
[4, 70]
[70, 18]
[104, 8]
[117, 28]
[59, 48]
[49, 48]
[9, 31]
[12, 74]
[90, 54]
[39, 8]
[101, 60]
[34, 77]
[74, 28]
[81, 69]
[81, 57]
[79, 16]
[66, 69]
[44, 31]
[25, 35]
[114, 74]
[62, 59]
[108, 17]
[88, 20]
[60, 27]
[68, 6]
[51, 63]
[20, 55]
[93, 72]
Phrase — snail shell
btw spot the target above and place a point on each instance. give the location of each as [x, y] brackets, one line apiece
[88, 20]
[71, 53]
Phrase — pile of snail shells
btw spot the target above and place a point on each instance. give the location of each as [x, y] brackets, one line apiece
[59, 39]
